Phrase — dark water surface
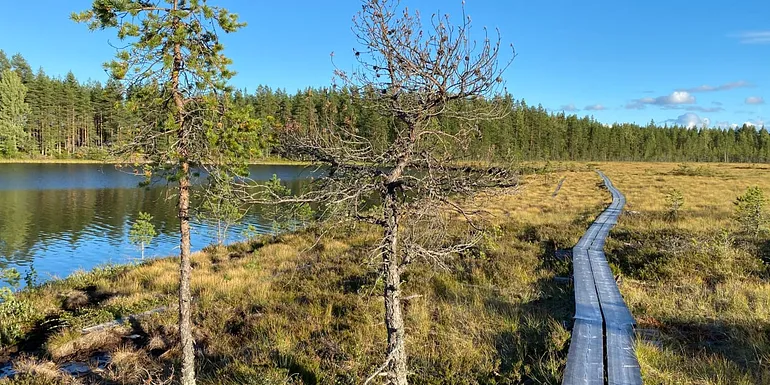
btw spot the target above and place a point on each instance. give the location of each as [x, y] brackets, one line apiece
[60, 218]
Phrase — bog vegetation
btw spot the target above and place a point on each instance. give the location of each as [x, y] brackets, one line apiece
[291, 309]
[698, 286]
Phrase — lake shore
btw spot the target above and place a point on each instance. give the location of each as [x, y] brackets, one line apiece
[317, 304]
[258, 162]
[294, 306]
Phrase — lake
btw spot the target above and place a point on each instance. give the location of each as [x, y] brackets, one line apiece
[60, 218]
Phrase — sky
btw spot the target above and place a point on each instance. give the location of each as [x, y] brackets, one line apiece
[672, 61]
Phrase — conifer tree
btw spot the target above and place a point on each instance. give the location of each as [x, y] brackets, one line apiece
[13, 113]
[5, 64]
[174, 66]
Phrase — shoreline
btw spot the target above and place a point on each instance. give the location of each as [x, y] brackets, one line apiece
[262, 162]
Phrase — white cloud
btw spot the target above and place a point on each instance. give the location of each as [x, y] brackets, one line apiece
[755, 100]
[595, 107]
[569, 108]
[690, 120]
[755, 122]
[753, 37]
[722, 87]
[675, 98]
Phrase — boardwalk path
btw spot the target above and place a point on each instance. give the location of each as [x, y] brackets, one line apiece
[602, 347]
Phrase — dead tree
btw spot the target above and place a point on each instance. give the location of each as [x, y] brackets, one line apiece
[419, 79]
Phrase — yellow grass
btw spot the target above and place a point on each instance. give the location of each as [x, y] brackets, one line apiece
[297, 309]
[697, 279]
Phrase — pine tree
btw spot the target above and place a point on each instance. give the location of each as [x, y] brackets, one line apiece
[5, 64]
[183, 116]
[13, 113]
[142, 231]
[22, 68]
[751, 212]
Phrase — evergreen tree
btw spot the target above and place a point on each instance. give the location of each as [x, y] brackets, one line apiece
[5, 64]
[70, 117]
[751, 212]
[22, 68]
[181, 104]
[13, 113]
[142, 232]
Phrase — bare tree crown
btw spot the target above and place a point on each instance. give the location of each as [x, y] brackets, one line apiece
[418, 72]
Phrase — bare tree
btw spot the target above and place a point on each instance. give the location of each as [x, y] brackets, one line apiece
[420, 80]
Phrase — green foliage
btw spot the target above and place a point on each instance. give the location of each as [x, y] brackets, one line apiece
[751, 212]
[14, 312]
[31, 277]
[283, 216]
[202, 125]
[250, 232]
[142, 231]
[71, 118]
[13, 113]
[674, 202]
[10, 276]
[221, 206]
[685, 169]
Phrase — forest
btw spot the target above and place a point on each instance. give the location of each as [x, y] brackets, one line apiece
[72, 118]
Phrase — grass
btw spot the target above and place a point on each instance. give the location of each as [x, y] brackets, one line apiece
[700, 283]
[292, 310]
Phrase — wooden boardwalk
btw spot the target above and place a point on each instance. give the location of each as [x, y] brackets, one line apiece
[602, 345]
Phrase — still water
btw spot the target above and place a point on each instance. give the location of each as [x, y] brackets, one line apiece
[60, 218]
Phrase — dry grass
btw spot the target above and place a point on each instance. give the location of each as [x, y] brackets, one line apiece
[35, 367]
[129, 365]
[293, 311]
[290, 310]
[72, 342]
[697, 279]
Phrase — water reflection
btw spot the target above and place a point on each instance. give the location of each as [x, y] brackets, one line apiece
[61, 218]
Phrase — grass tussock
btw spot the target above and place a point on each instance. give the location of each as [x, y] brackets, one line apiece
[72, 342]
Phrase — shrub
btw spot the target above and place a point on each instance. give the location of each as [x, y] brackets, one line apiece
[674, 202]
[14, 312]
[685, 169]
[142, 231]
[750, 212]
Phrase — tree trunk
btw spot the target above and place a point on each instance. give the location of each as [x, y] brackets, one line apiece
[185, 268]
[185, 274]
[394, 319]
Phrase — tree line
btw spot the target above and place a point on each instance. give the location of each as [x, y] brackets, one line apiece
[67, 117]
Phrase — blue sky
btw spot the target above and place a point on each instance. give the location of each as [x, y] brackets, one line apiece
[620, 61]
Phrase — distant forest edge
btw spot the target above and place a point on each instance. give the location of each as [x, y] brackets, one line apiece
[68, 118]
